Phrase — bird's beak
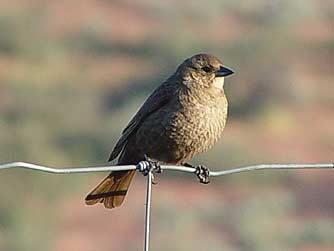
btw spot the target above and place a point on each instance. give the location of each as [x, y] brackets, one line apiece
[223, 72]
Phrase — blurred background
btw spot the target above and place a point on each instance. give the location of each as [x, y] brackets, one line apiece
[72, 74]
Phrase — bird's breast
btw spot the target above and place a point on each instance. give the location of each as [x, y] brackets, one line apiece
[187, 125]
[199, 123]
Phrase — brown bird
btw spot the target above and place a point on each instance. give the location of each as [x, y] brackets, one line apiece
[183, 116]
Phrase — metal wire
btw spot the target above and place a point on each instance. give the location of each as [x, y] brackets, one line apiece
[143, 166]
[148, 212]
[25, 165]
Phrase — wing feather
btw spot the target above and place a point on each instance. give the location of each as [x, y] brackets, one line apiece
[159, 98]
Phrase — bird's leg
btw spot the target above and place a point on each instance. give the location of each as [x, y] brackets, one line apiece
[201, 172]
[154, 166]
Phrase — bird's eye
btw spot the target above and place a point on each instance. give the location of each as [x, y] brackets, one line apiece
[206, 69]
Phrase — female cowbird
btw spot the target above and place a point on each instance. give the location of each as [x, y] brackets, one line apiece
[183, 116]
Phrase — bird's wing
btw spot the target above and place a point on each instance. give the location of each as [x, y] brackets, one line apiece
[160, 97]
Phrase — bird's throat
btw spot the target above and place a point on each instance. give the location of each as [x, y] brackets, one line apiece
[218, 82]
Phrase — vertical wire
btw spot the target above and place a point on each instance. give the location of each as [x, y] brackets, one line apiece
[148, 211]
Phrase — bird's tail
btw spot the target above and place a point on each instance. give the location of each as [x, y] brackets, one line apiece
[112, 190]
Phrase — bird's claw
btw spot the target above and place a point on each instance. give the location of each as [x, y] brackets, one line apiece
[150, 165]
[154, 182]
[202, 174]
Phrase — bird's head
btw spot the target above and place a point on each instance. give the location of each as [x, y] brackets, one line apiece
[204, 69]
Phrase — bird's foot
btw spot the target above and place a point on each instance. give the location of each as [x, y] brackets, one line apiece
[202, 173]
[150, 165]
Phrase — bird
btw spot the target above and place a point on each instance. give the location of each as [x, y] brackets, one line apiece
[184, 116]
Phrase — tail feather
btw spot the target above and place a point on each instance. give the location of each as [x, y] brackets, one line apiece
[112, 190]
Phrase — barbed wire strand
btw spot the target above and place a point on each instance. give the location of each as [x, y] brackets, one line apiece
[143, 165]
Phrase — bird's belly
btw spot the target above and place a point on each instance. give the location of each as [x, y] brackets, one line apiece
[178, 136]
[199, 132]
